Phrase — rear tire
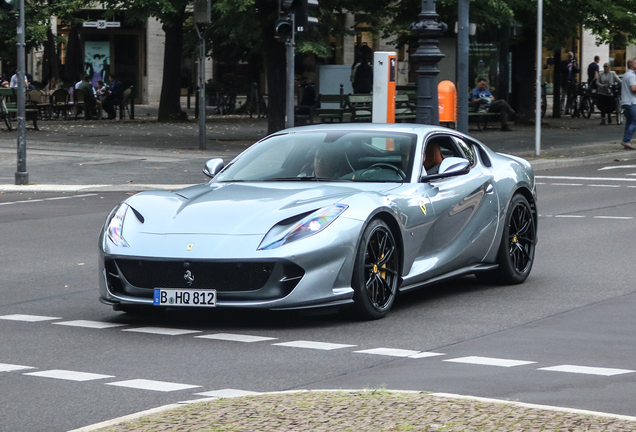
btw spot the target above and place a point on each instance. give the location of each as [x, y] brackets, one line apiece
[375, 273]
[516, 250]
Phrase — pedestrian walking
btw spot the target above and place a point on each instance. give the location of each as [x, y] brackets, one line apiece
[593, 70]
[606, 102]
[628, 103]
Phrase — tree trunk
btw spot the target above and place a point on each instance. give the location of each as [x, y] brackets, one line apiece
[525, 75]
[275, 67]
[170, 101]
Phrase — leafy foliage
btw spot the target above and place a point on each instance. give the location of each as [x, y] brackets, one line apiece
[37, 20]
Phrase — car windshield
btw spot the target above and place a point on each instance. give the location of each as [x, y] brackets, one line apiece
[365, 156]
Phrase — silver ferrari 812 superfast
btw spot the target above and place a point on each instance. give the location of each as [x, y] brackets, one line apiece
[325, 215]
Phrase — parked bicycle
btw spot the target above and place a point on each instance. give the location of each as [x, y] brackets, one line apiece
[255, 103]
[225, 99]
[579, 99]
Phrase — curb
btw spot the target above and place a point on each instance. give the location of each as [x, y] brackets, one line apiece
[169, 407]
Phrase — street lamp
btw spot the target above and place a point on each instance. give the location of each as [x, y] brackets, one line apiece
[427, 55]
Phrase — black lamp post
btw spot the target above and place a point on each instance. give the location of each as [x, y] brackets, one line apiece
[428, 30]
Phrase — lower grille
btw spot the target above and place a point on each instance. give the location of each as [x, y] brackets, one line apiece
[222, 276]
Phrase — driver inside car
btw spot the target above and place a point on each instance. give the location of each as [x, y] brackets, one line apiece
[433, 157]
[328, 163]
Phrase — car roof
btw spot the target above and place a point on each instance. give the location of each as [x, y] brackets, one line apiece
[419, 129]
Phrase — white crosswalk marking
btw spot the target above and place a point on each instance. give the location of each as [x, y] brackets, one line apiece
[5, 367]
[426, 354]
[227, 393]
[389, 352]
[89, 324]
[143, 384]
[313, 345]
[68, 375]
[587, 370]
[27, 318]
[488, 361]
[235, 337]
[161, 331]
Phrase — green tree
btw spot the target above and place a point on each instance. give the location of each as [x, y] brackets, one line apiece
[37, 20]
[172, 15]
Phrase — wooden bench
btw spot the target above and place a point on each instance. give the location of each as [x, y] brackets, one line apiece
[335, 112]
[10, 109]
[482, 118]
[405, 107]
[359, 107]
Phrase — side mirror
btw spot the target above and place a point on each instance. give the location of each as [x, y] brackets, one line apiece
[212, 167]
[451, 166]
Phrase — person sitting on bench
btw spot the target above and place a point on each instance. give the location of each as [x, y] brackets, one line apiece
[481, 96]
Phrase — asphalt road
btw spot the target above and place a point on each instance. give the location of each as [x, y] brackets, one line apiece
[573, 316]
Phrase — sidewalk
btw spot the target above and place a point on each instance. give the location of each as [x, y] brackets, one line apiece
[134, 155]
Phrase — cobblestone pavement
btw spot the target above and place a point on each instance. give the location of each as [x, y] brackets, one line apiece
[376, 410]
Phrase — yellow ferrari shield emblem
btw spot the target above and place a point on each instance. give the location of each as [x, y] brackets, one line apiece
[423, 207]
[189, 248]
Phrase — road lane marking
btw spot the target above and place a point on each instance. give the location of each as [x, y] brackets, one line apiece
[68, 375]
[46, 199]
[488, 361]
[143, 384]
[426, 354]
[27, 318]
[614, 217]
[389, 352]
[617, 167]
[313, 345]
[600, 185]
[587, 370]
[566, 184]
[568, 216]
[235, 337]
[227, 393]
[5, 367]
[587, 178]
[161, 331]
[89, 324]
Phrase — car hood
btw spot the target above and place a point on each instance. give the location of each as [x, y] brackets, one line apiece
[238, 208]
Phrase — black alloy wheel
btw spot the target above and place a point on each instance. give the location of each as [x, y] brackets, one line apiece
[517, 247]
[375, 274]
[521, 238]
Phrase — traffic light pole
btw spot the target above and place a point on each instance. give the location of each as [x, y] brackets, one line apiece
[289, 105]
[21, 175]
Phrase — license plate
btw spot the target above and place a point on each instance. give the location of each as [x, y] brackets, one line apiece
[182, 297]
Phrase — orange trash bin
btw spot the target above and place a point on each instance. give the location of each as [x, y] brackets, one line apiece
[447, 96]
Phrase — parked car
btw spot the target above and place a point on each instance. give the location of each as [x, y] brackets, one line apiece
[325, 215]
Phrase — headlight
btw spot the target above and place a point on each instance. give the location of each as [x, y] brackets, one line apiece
[309, 225]
[115, 227]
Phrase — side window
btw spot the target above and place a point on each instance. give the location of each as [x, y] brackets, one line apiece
[437, 148]
[468, 151]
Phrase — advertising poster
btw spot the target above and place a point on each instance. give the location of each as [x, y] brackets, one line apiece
[97, 61]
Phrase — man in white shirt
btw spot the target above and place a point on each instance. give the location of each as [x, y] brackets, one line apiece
[628, 102]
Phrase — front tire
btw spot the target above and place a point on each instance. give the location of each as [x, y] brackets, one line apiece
[375, 273]
[517, 247]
